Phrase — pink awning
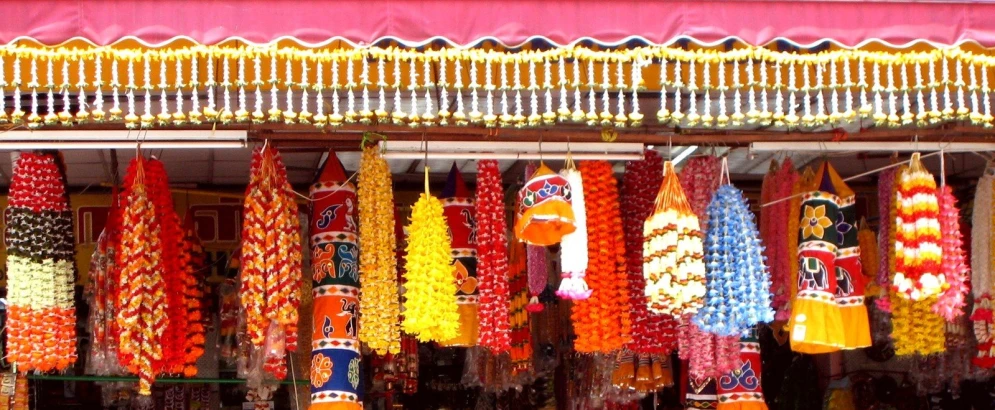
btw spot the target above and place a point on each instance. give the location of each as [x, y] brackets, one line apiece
[850, 23]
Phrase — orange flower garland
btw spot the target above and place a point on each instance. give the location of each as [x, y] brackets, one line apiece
[271, 260]
[602, 322]
[194, 257]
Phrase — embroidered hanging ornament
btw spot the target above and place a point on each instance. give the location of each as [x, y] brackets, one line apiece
[430, 309]
[737, 280]
[492, 260]
[335, 351]
[379, 326]
[41, 315]
[950, 304]
[816, 323]
[982, 224]
[918, 237]
[573, 247]
[652, 333]
[458, 208]
[674, 267]
[602, 322]
[803, 184]
[741, 388]
[849, 272]
[545, 214]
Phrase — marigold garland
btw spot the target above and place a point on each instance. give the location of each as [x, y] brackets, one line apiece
[430, 310]
[41, 321]
[917, 271]
[271, 260]
[950, 304]
[492, 262]
[521, 331]
[652, 333]
[379, 326]
[602, 322]
[195, 274]
[141, 297]
[869, 258]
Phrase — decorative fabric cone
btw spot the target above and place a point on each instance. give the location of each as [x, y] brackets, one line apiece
[741, 389]
[335, 357]
[457, 206]
[700, 393]
[673, 252]
[849, 272]
[545, 214]
[816, 323]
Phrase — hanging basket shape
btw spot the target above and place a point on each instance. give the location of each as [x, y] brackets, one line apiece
[545, 214]
[918, 238]
[673, 252]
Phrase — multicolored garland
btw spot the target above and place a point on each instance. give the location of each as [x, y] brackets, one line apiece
[141, 298]
[379, 326]
[430, 309]
[573, 247]
[950, 304]
[673, 252]
[738, 282]
[918, 239]
[779, 239]
[602, 322]
[521, 328]
[458, 208]
[492, 260]
[194, 263]
[41, 318]
[652, 332]
[271, 260]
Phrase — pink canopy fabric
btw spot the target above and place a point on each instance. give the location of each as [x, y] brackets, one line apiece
[512, 22]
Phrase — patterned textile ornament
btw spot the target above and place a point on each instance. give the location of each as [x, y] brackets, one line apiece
[41, 316]
[430, 309]
[458, 208]
[741, 389]
[950, 304]
[521, 329]
[782, 252]
[141, 297]
[335, 350]
[492, 260]
[602, 322]
[573, 247]
[700, 393]
[673, 266]
[738, 282]
[545, 214]
[918, 247]
[379, 326]
[849, 272]
[651, 333]
[982, 224]
[271, 258]
[803, 184]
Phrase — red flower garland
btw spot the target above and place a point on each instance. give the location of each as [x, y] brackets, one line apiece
[651, 333]
[195, 274]
[492, 259]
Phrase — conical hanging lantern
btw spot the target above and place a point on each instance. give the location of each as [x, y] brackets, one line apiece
[545, 214]
[673, 252]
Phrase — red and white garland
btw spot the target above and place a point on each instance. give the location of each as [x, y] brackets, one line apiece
[918, 238]
[492, 259]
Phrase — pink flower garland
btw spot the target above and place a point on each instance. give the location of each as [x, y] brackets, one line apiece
[492, 259]
[651, 333]
[951, 303]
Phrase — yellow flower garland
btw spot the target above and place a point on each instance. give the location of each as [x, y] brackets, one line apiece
[379, 325]
[430, 309]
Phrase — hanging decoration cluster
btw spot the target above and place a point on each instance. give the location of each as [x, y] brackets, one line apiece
[41, 321]
[573, 247]
[458, 209]
[545, 216]
[271, 260]
[515, 89]
[652, 332]
[492, 260]
[918, 238]
[738, 294]
[602, 322]
[380, 323]
[100, 292]
[430, 309]
[982, 224]
[335, 348]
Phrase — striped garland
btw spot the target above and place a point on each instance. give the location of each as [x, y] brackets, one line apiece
[918, 239]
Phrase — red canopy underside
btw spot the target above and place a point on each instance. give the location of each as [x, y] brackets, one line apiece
[511, 22]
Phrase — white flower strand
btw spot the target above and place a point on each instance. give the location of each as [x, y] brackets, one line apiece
[907, 115]
[460, 114]
[737, 107]
[83, 114]
[443, 87]
[65, 117]
[164, 115]
[304, 117]
[257, 82]
[778, 114]
[350, 79]
[475, 114]
[987, 116]
[865, 106]
[50, 116]
[578, 113]
[548, 115]
[677, 115]
[211, 110]
[381, 84]
[131, 118]
[752, 114]
[706, 117]
[179, 117]
[962, 110]
[636, 71]
[663, 114]
[115, 110]
[834, 104]
[806, 88]
[563, 113]
[33, 84]
[820, 100]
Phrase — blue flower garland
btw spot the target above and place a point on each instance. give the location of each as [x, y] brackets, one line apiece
[737, 279]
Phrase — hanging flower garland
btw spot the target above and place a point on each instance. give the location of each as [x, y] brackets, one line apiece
[492, 260]
[521, 330]
[271, 261]
[738, 282]
[918, 238]
[379, 325]
[950, 304]
[779, 236]
[458, 209]
[674, 269]
[195, 264]
[101, 291]
[652, 332]
[699, 180]
[982, 226]
[41, 321]
[602, 322]
[886, 236]
[142, 298]
[573, 247]
[430, 310]
[869, 258]
[767, 234]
